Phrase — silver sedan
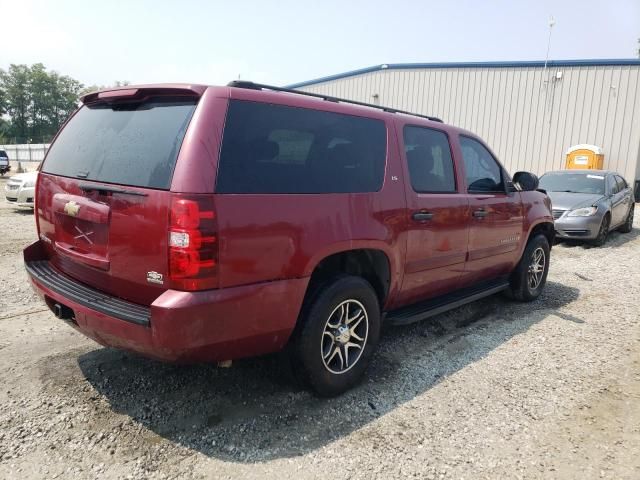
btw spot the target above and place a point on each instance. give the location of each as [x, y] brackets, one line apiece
[588, 204]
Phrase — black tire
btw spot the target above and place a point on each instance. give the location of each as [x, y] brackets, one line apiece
[603, 231]
[520, 286]
[627, 226]
[308, 359]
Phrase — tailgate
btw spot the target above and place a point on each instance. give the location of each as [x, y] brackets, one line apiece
[103, 193]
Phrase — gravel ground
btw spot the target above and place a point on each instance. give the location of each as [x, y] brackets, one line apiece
[492, 390]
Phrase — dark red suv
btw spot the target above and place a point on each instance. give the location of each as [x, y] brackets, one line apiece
[191, 223]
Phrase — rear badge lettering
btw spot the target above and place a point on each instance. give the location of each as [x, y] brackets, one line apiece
[155, 277]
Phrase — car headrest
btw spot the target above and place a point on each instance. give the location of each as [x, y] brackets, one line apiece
[344, 155]
[421, 156]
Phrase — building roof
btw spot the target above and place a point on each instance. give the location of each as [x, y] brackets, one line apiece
[513, 64]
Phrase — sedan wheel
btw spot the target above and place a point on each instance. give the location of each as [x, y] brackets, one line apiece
[603, 232]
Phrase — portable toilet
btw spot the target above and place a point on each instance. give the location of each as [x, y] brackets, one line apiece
[583, 156]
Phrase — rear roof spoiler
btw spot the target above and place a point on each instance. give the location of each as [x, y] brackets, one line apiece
[140, 92]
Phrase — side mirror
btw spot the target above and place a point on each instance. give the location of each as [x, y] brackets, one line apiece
[526, 181]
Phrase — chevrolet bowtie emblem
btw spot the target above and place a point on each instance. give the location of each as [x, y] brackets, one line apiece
[71, 208]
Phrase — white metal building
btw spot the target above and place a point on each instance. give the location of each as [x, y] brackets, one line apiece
[529, 114]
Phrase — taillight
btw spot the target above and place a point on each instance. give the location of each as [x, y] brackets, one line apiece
[193, 246]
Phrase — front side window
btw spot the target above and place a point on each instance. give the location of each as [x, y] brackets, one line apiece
[429, 160]
[483, 173]
[613, 185]
[276, 149]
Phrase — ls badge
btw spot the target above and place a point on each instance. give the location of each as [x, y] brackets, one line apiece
[155, 277]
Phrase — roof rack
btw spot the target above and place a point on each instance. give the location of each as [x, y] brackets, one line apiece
[259, 86]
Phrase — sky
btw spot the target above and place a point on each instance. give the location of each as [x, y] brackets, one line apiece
[282, 42]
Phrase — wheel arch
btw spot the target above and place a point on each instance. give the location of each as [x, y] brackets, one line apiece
[373, 264]
[545, 228]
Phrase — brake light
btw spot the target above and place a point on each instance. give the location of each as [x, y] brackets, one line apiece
[193, 246]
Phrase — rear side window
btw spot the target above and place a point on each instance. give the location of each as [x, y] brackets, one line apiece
[128, 144]
[622, 183]
[429, 159]
[278, 149]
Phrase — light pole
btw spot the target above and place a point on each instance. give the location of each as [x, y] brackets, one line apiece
[552, 22]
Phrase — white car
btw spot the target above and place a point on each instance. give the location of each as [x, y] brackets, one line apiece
[20, 189]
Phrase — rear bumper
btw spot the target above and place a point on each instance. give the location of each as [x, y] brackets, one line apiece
[186, 327]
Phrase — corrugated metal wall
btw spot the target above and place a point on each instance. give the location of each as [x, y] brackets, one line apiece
[528, 122]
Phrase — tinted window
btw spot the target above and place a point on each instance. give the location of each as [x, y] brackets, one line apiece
[129, 144]
[613, 185]
[482, 171]
[622, 184]
[278, 149]
[572, 182]
[429, 160]
[3, 154]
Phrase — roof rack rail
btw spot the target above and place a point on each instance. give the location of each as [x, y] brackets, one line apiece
[260, 86]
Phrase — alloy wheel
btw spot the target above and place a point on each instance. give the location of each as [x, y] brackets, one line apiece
[344, 336]
[536, 268]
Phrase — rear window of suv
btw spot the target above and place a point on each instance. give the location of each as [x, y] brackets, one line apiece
[278, 149]
[132, 144]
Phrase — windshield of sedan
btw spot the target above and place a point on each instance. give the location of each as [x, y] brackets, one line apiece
[573, 183]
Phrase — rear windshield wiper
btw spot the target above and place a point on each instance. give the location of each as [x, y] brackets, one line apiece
[88, 187]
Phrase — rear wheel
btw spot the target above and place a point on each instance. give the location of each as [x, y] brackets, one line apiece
[340, 331]
[627, 226]
[530, 276]
[603, 232]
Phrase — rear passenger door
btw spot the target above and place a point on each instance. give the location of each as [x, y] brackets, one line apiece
[620, 199]
[496, 215]
[438, 216]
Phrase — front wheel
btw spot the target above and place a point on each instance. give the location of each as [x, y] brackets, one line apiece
[530, 276]
[338, 335]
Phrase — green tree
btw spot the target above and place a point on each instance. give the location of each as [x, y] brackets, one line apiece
[15, 86]
[36, 101]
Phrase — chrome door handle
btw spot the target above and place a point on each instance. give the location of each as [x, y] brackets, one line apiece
[422, 216]
[481, 213]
